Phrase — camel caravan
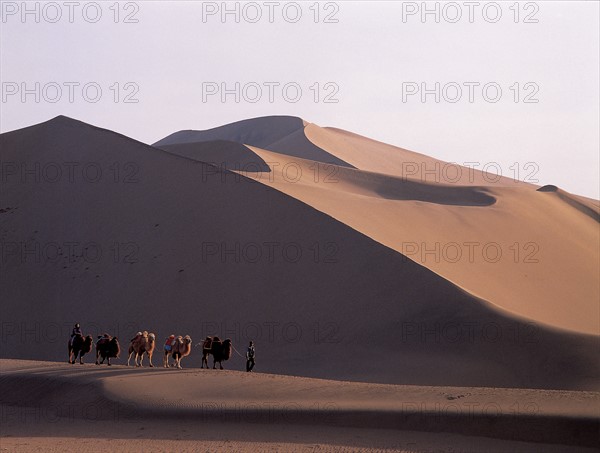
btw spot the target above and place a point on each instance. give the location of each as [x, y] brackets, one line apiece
[144, 343]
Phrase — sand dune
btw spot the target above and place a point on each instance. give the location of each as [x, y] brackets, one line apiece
[190, 249]
[334, 253]
[480, 240]
[479, 237]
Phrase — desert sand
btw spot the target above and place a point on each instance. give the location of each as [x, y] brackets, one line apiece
[126, 409]
[335, 253]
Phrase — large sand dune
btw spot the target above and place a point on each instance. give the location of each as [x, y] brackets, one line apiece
[535, 253]
[311, 271]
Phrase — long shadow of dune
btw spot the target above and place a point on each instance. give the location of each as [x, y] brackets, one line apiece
[395, 188]
[448, 195]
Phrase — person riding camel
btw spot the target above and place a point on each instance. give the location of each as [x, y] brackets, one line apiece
[76, 332]
[169, 343]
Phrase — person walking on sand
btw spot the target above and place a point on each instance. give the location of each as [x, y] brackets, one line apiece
[250, 357]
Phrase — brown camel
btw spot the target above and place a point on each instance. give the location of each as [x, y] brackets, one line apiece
[107, 347]
[143, 342]
[80, 346]
[220, 350]
[180, 349]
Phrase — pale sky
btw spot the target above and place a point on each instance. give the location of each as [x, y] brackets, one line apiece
[369, 56]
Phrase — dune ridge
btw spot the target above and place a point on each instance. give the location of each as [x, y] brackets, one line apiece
[271, 132]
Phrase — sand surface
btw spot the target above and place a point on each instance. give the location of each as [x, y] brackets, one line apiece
[60, 406]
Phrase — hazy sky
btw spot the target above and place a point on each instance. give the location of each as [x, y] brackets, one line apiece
[373, 58]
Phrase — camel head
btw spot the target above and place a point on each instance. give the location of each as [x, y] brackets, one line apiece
[187, 339]
[115, 346]
[151, 337]
[88, 343]
[227, 348]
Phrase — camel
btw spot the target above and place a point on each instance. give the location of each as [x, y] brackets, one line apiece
[143, 342]
[220, 350]
[107, 347]
[181, 348]
[80, 346]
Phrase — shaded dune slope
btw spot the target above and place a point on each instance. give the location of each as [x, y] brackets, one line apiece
[221, 153]
[278, 133]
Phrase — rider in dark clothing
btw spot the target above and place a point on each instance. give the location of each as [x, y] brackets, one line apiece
[76, 332]
[250, 357]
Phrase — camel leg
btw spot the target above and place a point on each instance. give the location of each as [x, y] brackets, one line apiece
[129, 358]
[150, 360]
[80, 358]
[97, 354]
[141, 359]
